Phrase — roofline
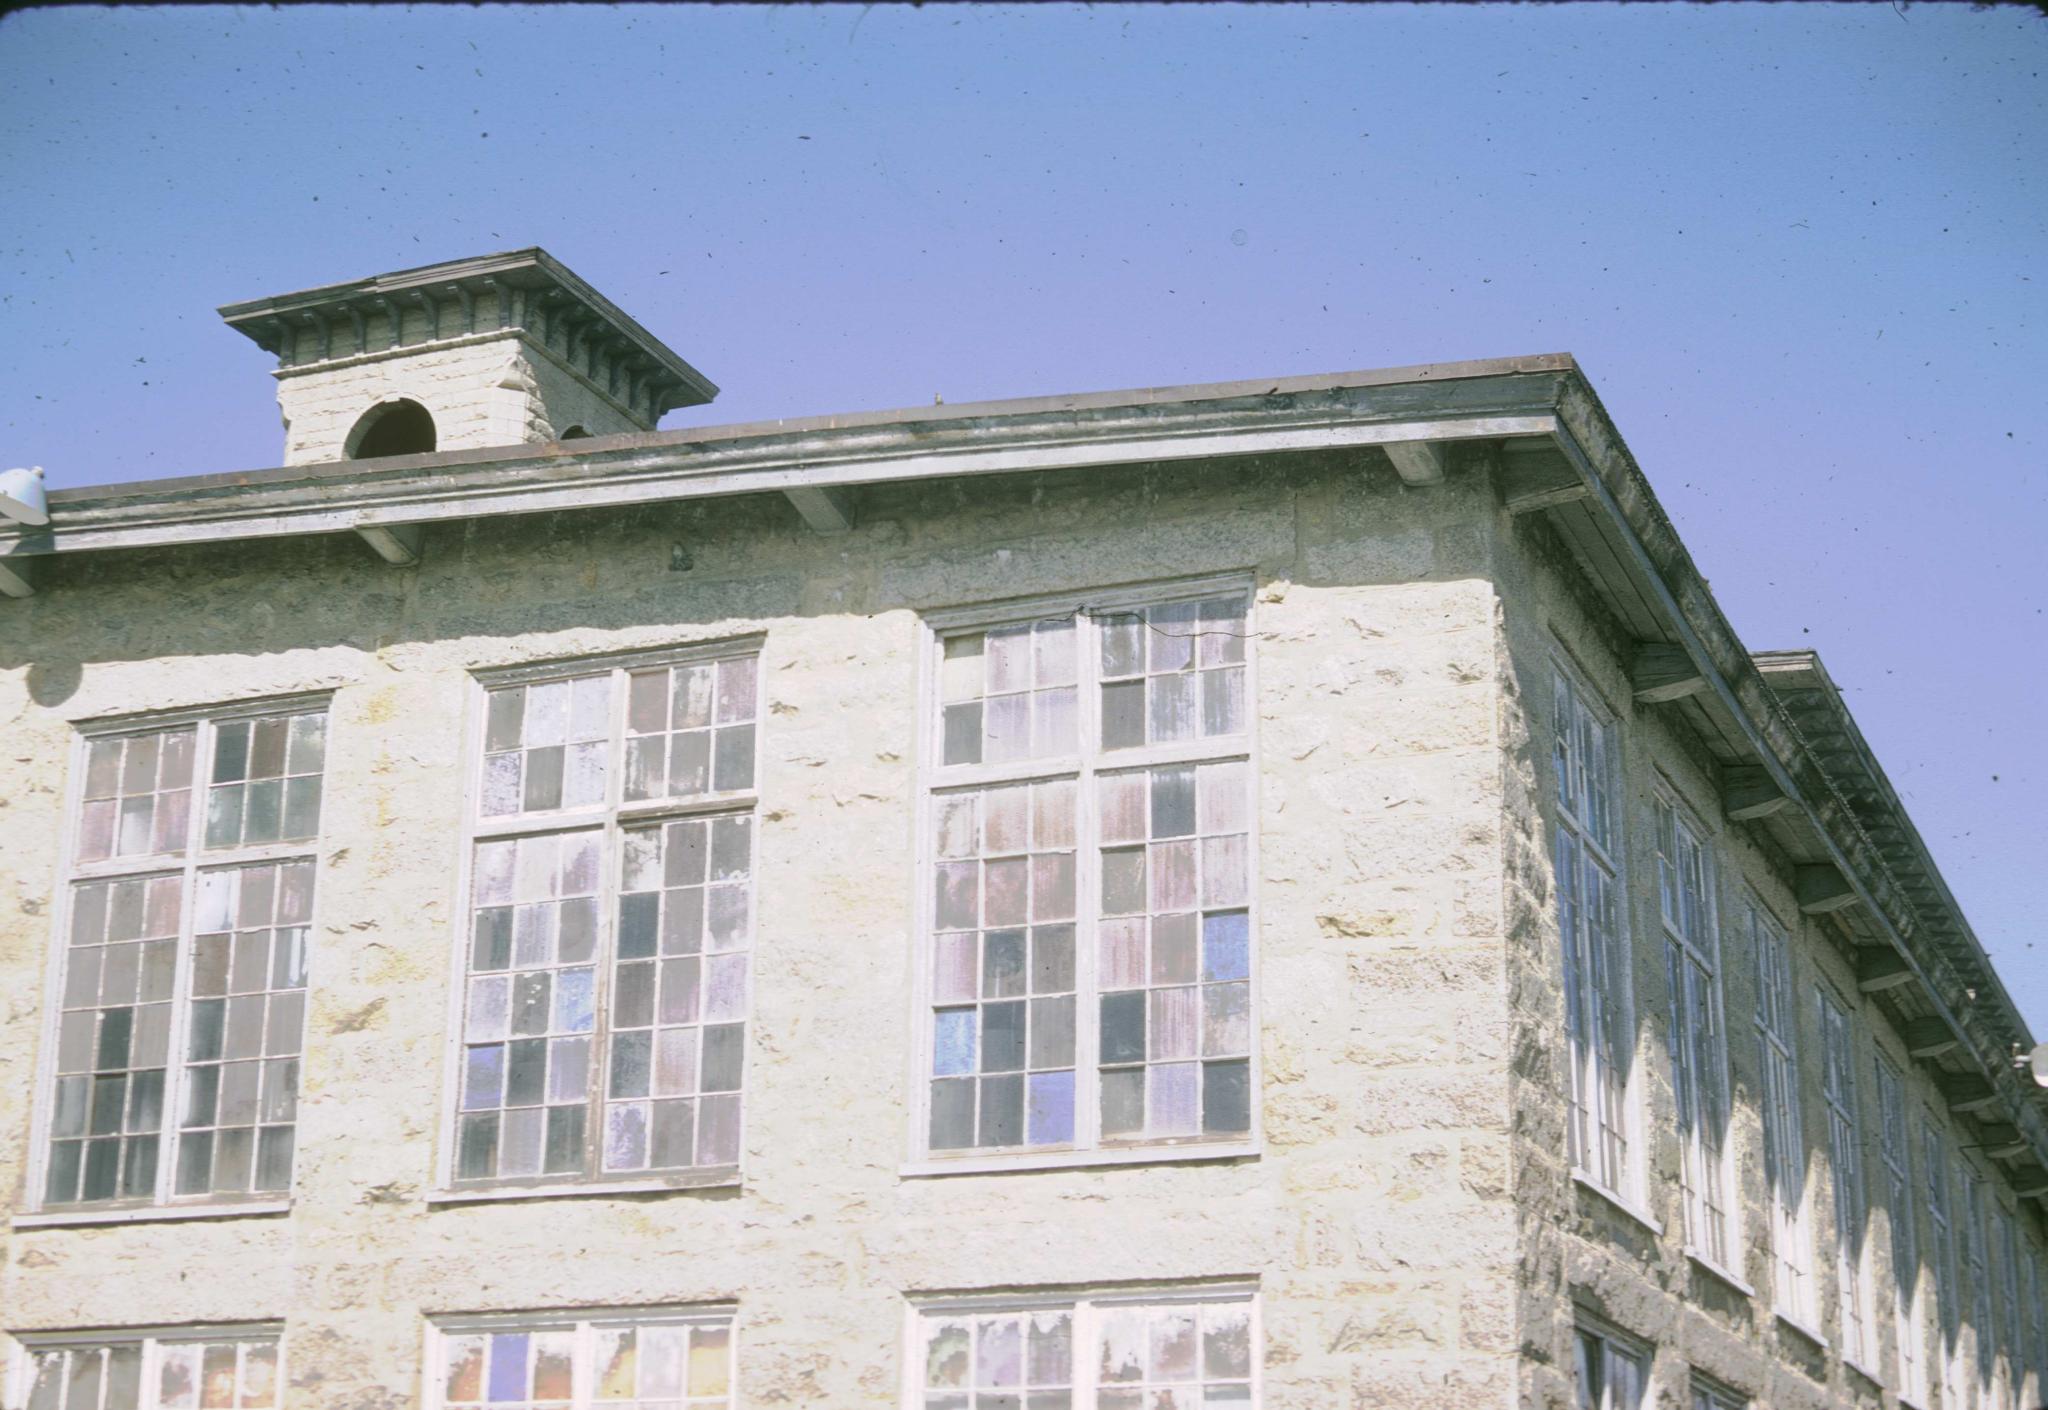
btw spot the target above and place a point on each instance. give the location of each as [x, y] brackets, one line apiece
[906, 417]
[245, 316]
[1544, 400]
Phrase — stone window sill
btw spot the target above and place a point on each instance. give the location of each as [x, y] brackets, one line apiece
[1862, 1370]
[1799, 1325]
[152, 1214]
[1078, 1160]
[723, 1178]
[1719, 1272]
[1642, 1216]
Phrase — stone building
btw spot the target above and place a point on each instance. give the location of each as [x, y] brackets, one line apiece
[1282, 894]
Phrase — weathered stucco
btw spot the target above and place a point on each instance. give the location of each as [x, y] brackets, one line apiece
[1376, 1218]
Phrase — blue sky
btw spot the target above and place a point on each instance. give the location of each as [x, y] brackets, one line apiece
[1799, 250]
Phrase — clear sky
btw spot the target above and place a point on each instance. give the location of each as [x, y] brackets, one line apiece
[1799, 250]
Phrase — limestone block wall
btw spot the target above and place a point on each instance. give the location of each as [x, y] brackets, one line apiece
[1581, 1256]
[1376, 1217]
[485, 389]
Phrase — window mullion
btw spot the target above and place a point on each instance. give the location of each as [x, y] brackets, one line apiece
[176, 1075]
[611, 863]
[1088, 887]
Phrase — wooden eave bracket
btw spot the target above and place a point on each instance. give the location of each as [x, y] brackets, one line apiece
[1968, 1094]
[17, 575]
[1880, 967]
[1660, 672]
[1748, 792]
[1821, 888]
[396, 544]
[1930, 1037]
[826, 510]
[1417, 462]
[1526, 488]
[2002, 1140]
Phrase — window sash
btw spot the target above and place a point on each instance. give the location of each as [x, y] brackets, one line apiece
[476, 1356]
[157, 1369]
[1895, 1152]
[612, 820]
[1091, 768]
[954, 1372]
[1611, 1375]
[298, 772]
[1784, 1138]
[1845, 1161]
[1601, 1126]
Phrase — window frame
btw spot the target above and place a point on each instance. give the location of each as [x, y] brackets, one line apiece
[1909, 1347]
[1627, 1185]
[583, 1322]
[1847, 1180]
[1087, 763]
[20, 1371]
[1792, 1241]
[610, 820]
[1945, 1231]
[1085, 1303]
[195, 858]
[1705, 952]
[1615, 1344]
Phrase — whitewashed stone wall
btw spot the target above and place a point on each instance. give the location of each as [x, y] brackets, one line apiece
[1377, 1219]
[1577, 1252]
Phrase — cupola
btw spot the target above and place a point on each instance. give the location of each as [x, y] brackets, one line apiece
[501, 350]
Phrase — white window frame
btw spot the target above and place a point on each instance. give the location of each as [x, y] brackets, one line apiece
[1589, 1057]
[2010, 1335]
[1615, 1346]
[1702, 1154]
[1794, 1296]
[1976, 1239]
[1944, 1230]
[1085, 765]
[1837, 1020]
[164, 1202]
[1708, 1394]
[1895, 1154]
[2036, 1268]
[1086, 1305]
[19, 1380]
[584, 1322]
[611, 818]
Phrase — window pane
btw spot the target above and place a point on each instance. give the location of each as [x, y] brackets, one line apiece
[679, 994]
[1174, 1354]
[138, 794]
[690, 729]
[248, 996]
[547, 746]
[1009, 694]
[531, 1005]
[1175, 952]
[113, 1040]
[266, 780]
[1003, 1019]
[649, 1365]
[1172, 672]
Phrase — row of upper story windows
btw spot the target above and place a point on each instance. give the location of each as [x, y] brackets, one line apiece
[1085, 911]
[1171, 1349]
[1954, 1257]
